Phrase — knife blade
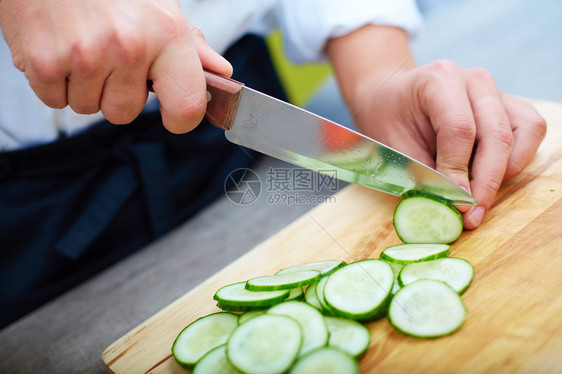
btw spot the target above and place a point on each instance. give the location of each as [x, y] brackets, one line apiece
[265, 124]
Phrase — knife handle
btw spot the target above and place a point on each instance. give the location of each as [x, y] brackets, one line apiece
[223, 95]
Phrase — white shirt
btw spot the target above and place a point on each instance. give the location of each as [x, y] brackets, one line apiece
[306, 25]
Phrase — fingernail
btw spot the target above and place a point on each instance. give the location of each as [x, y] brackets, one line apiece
[476, 216]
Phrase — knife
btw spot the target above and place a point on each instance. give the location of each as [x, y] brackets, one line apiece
[281, 130]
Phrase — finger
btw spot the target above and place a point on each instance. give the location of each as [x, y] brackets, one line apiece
[444, 100]
[47, 78]
[124, 96]
[529, 129]
[178, 81]
[494, 143]
[85, 83]
[210, 60]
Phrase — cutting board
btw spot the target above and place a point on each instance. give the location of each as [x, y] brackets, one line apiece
[514, 321]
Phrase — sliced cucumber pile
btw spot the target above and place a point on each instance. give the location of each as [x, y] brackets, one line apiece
[308, 318]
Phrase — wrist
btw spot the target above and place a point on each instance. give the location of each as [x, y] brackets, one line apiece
[365, 59]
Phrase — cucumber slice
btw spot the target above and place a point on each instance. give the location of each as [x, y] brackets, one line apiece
[268, 343]
[325, 268]
[283, 281]
[311, 321]
[236, 297]
[348, 335]
[311, 298]
[408, 253]
[320, 295]
[215, 362]
[201, 336]
[456, 272]
[295, 294]
[422, 219]
[326, 360]
[245, 317]
[396, 268]
[360, 290]
[426, 309]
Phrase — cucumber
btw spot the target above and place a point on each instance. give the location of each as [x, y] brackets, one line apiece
[423, 219]
[456, 272]
[269, 343]
[359, 290]
[426, 309]
[295, 294]
[348, 335]
[246, 316]
[283, 281]
[320, 295]
[201, 336]
[312, 323]
[215, 362]
[325, 268]
[408, 253]
[236, 297]
[396, 268]
[311, 298]
[326, 360]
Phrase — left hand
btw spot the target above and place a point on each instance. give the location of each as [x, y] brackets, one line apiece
[458, 122]
[452, 119]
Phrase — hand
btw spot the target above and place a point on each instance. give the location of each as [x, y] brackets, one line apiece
[452, 119]
[99, 54]
[456, 121]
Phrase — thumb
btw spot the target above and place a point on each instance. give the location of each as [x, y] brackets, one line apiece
[210, 59]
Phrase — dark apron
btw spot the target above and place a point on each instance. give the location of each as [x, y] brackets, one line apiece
[71, 208]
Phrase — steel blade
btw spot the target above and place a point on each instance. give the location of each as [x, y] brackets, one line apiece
[294, 135]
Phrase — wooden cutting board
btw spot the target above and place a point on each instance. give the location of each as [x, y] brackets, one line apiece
[514, 304]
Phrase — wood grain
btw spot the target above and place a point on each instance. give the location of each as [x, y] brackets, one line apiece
[514, 304]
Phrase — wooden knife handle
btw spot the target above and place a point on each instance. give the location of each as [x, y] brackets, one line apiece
[222, 102]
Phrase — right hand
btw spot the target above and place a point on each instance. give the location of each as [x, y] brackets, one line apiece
[98, 55]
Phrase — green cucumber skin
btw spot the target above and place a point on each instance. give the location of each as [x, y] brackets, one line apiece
[436, 256]
[186, 365]
[322, 274]
[240, 306]
[288, 286]
[432, 198]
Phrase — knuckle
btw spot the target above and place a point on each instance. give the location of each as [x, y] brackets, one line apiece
[44, 67]
[491, 187]
[131, 47]
[462, 129]
[84, 60]
[481, 75]
[445, 67]
[504, 136]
